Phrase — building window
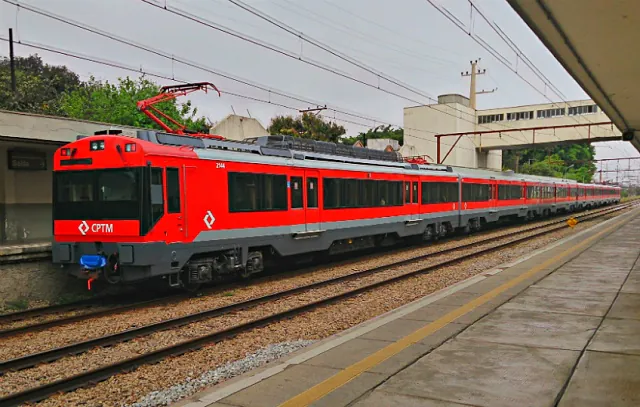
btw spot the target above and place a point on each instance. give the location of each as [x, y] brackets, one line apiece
[257, 192]
[520, 116]
[490, 118]
[586, 109]
[549, 113]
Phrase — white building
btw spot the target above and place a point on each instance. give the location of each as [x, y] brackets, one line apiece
[234, 127]
[508, 128]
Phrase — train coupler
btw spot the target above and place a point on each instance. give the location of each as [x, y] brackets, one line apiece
[92, 264]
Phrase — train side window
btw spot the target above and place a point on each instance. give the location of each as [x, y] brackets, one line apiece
[312, 192]
[257, 192]
[361, 193]
[296, 192]
[415, 192]
[476, 192]
[439, 192]
[173, 190]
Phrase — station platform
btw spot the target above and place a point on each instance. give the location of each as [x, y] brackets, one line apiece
[560, 327]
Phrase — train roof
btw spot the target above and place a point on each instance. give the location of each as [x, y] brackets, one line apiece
[270, 149]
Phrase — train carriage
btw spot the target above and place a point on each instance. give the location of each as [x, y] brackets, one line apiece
[192, 209]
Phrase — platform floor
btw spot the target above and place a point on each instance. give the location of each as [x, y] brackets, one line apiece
[560, 327]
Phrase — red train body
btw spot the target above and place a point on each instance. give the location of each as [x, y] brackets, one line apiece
[192, 209]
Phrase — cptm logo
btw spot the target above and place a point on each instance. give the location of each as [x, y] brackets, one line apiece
[95, 228]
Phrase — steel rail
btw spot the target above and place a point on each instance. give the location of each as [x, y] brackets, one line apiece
[111, 339]
[91, 303]
[102, 373]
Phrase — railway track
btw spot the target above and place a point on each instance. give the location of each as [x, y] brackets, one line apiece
[100, 308]
[102, 373]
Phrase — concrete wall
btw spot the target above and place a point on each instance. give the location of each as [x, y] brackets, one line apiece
[236, 127]
[525, 138]
[51, 129]
[421, 123]
[452, 115]
[26, 195]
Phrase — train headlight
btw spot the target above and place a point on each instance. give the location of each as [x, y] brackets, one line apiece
[130, 147]
[97, 145]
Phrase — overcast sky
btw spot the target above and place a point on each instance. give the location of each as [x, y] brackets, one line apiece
[408, 40]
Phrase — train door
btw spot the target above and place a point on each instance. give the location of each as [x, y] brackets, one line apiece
[415, 198]
[493, 195]
[175, 184]
[295, 186]
[312, 201]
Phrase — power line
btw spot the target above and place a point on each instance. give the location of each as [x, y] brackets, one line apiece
[501, 58]
[112, 64]
[344, 57]
[384, 27]
[186, 62]
[307, 13]
[223, 29]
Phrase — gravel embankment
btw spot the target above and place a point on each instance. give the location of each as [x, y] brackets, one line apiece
[231, 369]
[131, 387]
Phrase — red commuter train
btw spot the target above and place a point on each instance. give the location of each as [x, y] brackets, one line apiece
[191, 209]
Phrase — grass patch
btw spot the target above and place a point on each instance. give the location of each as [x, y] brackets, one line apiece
[68, 298]
[228, 294]
[19, 304]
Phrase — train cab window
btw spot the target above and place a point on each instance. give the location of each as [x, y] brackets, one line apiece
[407, 192]
[173, 190]
[312, 192]
[415, 192]
[296, 192]
[97, 194]
[257, 192]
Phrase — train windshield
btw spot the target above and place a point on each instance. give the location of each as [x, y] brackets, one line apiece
[112, 194]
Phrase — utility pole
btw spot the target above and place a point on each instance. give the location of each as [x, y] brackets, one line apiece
[12, 62]
[472, 89]
[317, 110]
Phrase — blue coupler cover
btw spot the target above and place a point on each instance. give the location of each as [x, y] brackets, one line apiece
[93, 261]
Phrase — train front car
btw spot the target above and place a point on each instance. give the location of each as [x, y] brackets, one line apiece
[107, 208]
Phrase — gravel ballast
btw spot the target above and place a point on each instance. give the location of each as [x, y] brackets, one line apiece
[231, 369]
[316, 324]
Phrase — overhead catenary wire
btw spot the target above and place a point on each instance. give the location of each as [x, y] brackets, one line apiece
[503, 60]
[218, 27]
[117, 65]
[189, 63]
[346, 58]
[192, 64]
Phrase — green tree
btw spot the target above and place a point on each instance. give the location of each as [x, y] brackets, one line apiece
[382, 131]
[116, 103]
[307, 126]
[39, 86]
[576, 161]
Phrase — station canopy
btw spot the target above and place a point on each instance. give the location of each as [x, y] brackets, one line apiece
[597, 43]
